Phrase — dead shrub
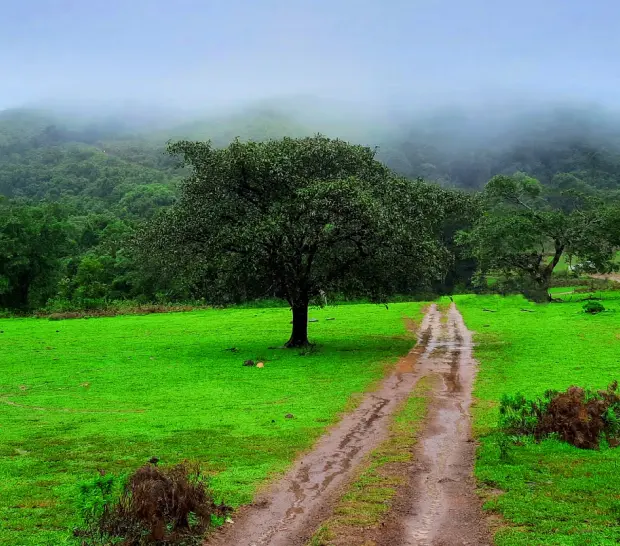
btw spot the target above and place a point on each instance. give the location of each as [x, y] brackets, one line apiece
[575, 417]
[115, 310]
[64, 316]
[578, 416]
[165, 506]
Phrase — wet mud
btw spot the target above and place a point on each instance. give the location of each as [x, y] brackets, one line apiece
[439, 507]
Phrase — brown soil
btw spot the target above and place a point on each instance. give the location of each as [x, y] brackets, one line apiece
[437, 506]
[116, 311]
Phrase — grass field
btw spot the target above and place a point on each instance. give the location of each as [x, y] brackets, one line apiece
[81, 395]
[553, 493]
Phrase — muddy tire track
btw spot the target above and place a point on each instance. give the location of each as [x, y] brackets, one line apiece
[438, 506]
[288, 513]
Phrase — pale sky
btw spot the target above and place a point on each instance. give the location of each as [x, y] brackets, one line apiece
[195, 53]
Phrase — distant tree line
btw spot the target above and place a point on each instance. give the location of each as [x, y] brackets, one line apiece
[92, 215]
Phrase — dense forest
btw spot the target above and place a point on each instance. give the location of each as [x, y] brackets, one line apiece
[74, 189]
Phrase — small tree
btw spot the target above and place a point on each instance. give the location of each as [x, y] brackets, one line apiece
[526, 229]
[297, 219]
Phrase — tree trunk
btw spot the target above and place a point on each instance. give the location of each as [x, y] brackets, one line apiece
[540, 291]
[299, 336]
[545, 281]
[545, 285]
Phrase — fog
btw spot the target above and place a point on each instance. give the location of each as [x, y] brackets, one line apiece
[391, 56]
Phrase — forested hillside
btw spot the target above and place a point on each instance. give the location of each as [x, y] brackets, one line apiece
[465, 149]
[87, 183]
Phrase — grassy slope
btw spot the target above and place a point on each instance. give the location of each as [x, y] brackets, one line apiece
[117, 391]
[554, 493]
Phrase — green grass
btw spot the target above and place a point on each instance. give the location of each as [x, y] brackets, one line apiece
[367, 500]
[562, 290]
[554, 493]
[109, 393]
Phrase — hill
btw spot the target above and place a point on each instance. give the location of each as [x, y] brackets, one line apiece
[49, 154]
[96, 175]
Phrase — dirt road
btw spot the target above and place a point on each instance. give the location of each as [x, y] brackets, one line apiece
[607, 276]
[438, 505]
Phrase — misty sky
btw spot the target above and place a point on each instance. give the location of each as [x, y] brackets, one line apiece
[200, 53]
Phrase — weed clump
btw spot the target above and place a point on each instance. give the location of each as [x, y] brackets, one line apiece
[166, 506]
[578, 416]
[593, 307]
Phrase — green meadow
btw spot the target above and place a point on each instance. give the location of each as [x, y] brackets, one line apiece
[548, 492]
[79, 396]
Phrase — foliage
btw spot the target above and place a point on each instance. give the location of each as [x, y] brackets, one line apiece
[111, 170]
[32, 242]
[555, 145]
[524, 222]
[518, 415]
[297, 219]
[99, 192]
[593, 307]
[95, 497]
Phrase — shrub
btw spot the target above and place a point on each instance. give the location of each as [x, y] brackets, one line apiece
[581, 417]
[593, 307]
[95, 495]
[519, 416]
[154, 505]
[578, 416]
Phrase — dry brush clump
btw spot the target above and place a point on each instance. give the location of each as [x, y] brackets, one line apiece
[115, 310]
[165, 506]
[579, 416]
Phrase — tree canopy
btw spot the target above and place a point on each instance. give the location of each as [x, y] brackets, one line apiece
[299, 219]
[526, 229]
[32, 241]
[106, 176]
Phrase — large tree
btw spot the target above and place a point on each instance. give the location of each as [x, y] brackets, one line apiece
[298, 219]
[526, 229]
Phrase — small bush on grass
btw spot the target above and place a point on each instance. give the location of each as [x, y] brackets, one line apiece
[593, 307]
[578, 416]
[165, 506]
[518, 415]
